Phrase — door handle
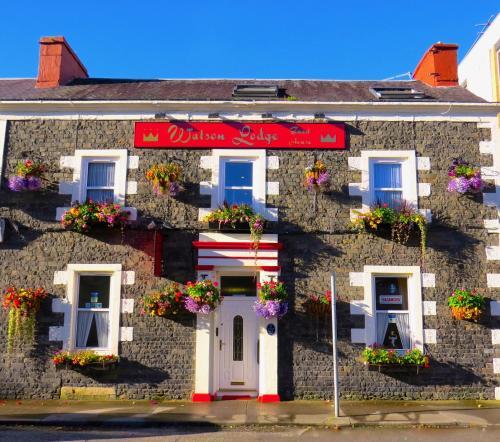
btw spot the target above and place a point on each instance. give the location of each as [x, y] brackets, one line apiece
[220, 344]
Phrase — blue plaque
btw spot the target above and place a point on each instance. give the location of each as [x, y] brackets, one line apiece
[271, 329]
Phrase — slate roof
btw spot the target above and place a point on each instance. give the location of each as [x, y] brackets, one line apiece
[303, 90]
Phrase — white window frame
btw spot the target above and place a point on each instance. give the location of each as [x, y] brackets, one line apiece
[258, 157]
[414, 288]
[85, 156]
[72, 289]
[3, 137]
[408, 161]
[223, 187]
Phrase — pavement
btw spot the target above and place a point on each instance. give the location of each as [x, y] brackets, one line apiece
[235, 413]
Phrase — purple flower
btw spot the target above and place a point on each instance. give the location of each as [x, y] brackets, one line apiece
[270, 309]
[323, 179]
[460, 185]
[174, 189]
[17, 183]
[33, 183]
[205, 309]
[191, 305]
[476, 183]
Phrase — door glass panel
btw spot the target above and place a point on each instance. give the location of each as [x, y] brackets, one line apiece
[238, 286]
[238, 196]
[238, 174]
[238, 338]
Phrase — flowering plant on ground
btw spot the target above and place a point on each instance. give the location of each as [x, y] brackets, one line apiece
[271, 300]
[227, 215]
[165, 178]
[317, 177]
[23, 304]
[168, 301]
[81, 217]
[202, 296]
[464, 178]
[319, 304]
[82, 358]
[28, 176]
[402, 221]
[466, 304]
[382, 356]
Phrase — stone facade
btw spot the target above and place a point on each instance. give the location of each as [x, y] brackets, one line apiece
[159, 362]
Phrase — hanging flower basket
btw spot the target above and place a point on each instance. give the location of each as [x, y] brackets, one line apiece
[238, 217]
[378, 358]
[202, 296]
[402, 222]
[464, 178]
[466, 305]
[23, 305]
[84, 359]
[82, 217]
[165, 179]
[28, 177]
[271, 301]
[168, 302]
[319, 305]
[317, 177]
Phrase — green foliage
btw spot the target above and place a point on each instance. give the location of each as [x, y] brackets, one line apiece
[383, 356]
[466, 298]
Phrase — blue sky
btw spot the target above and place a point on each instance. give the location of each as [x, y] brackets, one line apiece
[327, 39]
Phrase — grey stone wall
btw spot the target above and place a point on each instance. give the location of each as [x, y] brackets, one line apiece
[159, 361]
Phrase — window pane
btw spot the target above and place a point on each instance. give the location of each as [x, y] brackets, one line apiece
[391, 293]
[393, 330]
[240, 196]
[238, 285]
[238, 338]
[101, 175]
[387, 175]
[238, 174]
[391, 198]
[100, 196]
[92, 329]
[94, 291]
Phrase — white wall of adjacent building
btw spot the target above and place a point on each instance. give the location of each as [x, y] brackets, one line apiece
[479, 69]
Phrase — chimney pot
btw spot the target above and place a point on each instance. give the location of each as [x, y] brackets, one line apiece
[58, 64]
[438, 66]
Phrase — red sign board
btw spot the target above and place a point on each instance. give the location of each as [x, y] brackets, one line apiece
[239, 135]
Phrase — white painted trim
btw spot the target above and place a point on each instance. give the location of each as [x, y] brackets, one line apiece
[495, 308]
[428, 280]
[60, 277]
[424, 189]
[414, 301]
[273, 162]
[115, 271]
[127, 305]
[492, 225]
[131, 188]
[496, 365]
[430, 336]
[423, 163]
[358, 335]
[492, 253]
[235, 237]
[56, 333]
[356, 279]
[60, 305]
[204, 351]
[493, 280]
[126, 334]
[3, 137]
[133, 162]
[272, 188]
[357, 307]
[128, 277]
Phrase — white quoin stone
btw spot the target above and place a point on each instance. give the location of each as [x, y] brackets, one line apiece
[354, 163]
[59, 305]
[356, 279]
[492, 225]
[424, 189]
[486, 147]
[430, 336]
[358, 307]
[429, 308]
[497, 393]
[273, 163]
[493, 280]
[68, 162]
[272, 188]
[56, 333]
[60, 277]
[495, 336]
[126, 334]
[128, 277]
[423, 163]
[492, 253]
[133, 162]
[358, 336]
[205, 188]
[131, 188]
[496, 365]
[428, 280]
[206, 162]
[127, 306]
[495, 308]
[65, 188]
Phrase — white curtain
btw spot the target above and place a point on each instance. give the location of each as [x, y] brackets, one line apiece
[102, 324]
[388, 176]
[100, 175]
[83, 324]
[403, 324]
[382, 323]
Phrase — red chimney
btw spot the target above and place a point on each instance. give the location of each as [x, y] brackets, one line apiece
[438, 66]
[58, 63]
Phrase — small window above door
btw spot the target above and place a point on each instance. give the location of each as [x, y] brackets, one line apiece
[238, 286]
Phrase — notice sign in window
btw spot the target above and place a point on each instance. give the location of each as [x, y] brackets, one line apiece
[390, 299]
[239, 135]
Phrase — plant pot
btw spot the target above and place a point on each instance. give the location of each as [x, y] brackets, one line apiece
[394, 368]
[466, 314]
[238, 227]
[93, 366]
[317, 308]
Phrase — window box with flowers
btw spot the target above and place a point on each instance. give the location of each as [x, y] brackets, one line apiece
[82, 217]
[166, 303]
[202, 296]
[237, 218]
[466, 305]
[402, 222]
[271, 302]
[84, 359]
[464, 178]
[165, 179]
[379, 358]
[23, 305]
[29, 175]
[319, 305]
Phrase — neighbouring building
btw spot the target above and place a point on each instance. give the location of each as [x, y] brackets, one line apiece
[250, 141]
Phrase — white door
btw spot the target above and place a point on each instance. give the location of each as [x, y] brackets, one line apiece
[237, 342]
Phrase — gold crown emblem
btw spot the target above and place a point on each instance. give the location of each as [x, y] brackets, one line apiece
[150, 137]
[328, 138]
